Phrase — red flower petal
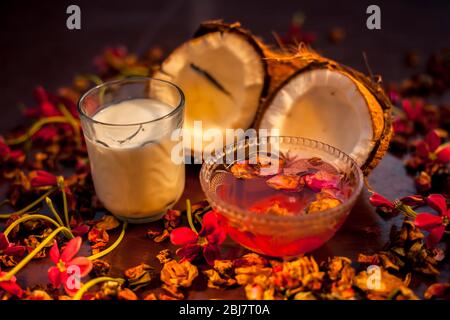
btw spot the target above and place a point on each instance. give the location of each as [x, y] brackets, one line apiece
[83, 263]
[183, 236]
[54, 276]
[438, 203]
[427, 221]
[71, 249]
[414, 200]
[189, 252]
[435, 236]
[15, 251]
[71, 285]
[11, 287]
[211, 253]
[217, 237]
[443, 155]
[433, 140]
[378, 200]
[54, 252]
[422, 149]
[209, 224]
[80, 230]
[321, 180]
[41, 178]
[4, 243]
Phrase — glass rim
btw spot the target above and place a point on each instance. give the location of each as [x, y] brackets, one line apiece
[176, 109]
[235, 212]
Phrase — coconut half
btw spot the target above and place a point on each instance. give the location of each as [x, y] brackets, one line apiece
[223, 74]
[325, 101]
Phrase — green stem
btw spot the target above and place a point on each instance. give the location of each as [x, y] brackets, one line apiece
[92, 283]
[28, 207]
[94, 78]
[189, 215]
[53, 210]
[61, 187]
[30, 256]
[35, 128]
[408, 211]
[33, 217]
[111, 247]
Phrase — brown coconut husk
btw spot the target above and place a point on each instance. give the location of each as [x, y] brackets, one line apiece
[284, 66]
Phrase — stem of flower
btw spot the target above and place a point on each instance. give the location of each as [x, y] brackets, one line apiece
[35, 128]
[30, 256]
[189, 215]
[93, 78]
[111, 247]
[35, 217]
[407, 210]
[28, 207]
[92, 283]
[53, 210]
[61, 187]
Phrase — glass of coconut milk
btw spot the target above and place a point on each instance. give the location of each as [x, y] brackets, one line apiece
[128, 126]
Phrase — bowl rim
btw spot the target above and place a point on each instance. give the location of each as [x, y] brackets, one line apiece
[234, 211]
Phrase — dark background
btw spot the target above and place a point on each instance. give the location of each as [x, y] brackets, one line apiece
[38, 49]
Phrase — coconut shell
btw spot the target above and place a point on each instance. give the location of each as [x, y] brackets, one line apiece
[283, 67]
[259, 46]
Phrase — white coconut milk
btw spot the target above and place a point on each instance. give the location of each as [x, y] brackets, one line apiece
[133, 173]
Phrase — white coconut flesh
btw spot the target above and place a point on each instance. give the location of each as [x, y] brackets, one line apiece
[328, 106]
[222, 76]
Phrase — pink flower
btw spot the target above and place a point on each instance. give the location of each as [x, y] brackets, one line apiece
[6, 154]
[46, 134]
[379, 201]
[430, 148]
[435, 225]
[9, 248]
[321, 180]
[414, 110]
[45, 107]
[205, 243]
[59, 274]
[11, 285]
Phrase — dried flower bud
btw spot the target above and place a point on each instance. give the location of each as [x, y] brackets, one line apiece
[100, 267]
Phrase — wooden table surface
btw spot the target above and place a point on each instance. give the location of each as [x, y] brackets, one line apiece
[363, 232]
[37, 49]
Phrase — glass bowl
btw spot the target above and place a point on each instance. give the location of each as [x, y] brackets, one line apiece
[278, 235]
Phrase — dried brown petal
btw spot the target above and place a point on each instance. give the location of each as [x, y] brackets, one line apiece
[164, 256]
[163, 236]
[150, 296]
[98, 235]
[179, 274]
[437, 290]
[217, 281]
[126, 294]
[322, 204]
[100, 267]
[174, 292]
[107, 222]
[139, 276]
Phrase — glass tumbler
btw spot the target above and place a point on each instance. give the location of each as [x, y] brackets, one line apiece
[130, 128]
